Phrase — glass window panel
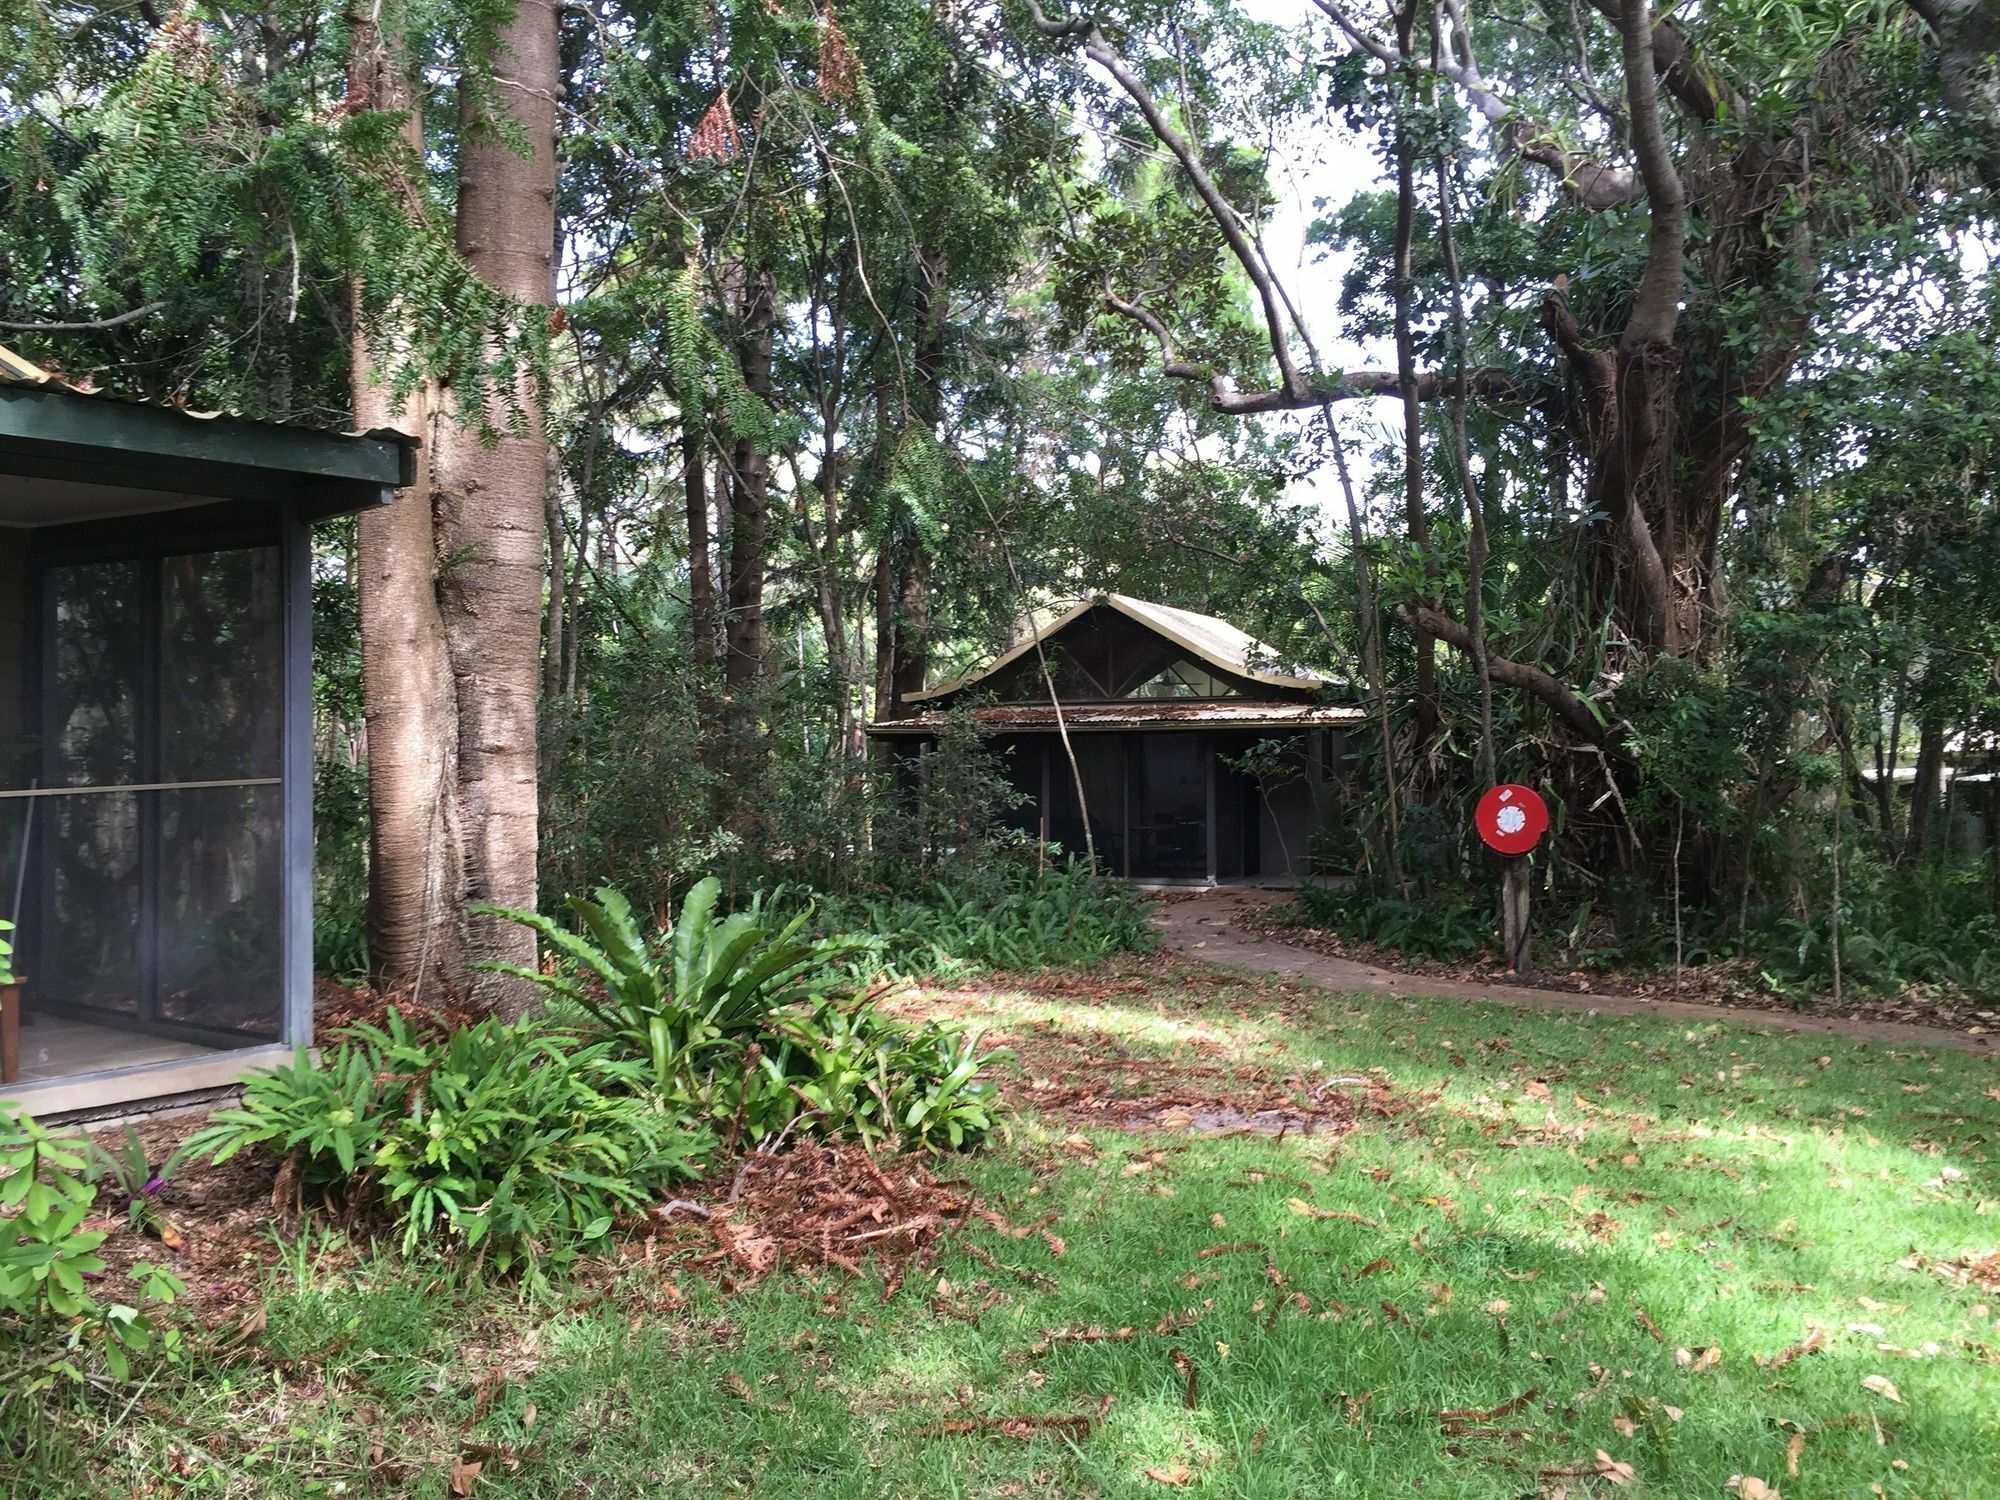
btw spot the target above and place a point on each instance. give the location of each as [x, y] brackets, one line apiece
[88, 954]
[17, 744]
[220, 858]
[1170, 806]
[221, 659]
[99, 661]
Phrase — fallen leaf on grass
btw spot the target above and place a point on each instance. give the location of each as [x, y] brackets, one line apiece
[1472, 1415]
[1020, 1428]
[1882, 1386]
[1646, 1322]
[1750, 1487]
[1300, 1206]
[1695, 1361]
[1234, 1247]
[1613, 1470]
[463, 1476]
[1175, 1473]
[1815, 1337]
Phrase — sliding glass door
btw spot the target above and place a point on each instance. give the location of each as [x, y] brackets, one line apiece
[162, 816]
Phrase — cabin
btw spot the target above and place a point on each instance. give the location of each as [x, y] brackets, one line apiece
[1200, 755]
[156, 764]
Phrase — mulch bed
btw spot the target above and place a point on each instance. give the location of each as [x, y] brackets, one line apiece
[216, 1225]
[815, 1206]
[338, 1006]
[1732, 982]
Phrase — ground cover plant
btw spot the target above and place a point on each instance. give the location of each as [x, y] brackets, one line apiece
[1007, 914]
[1248, 1238]
[54, 1328]
[522, 1143]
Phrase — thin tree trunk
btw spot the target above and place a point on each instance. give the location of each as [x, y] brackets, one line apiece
[1415, 516]
[701, 560]
[749, 493]
[493, 493]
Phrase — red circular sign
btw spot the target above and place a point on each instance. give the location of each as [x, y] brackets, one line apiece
[1512, 818]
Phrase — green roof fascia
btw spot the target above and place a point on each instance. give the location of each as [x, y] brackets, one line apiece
[131, 433]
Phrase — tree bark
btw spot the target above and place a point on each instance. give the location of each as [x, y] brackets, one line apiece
[745, 647]
[701, 559]
[1926, 789]
[492, 494]
[1415, 516]
[416, 871]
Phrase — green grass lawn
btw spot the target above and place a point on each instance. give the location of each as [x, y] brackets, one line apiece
[1610, 1229]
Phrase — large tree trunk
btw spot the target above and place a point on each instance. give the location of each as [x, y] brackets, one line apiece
[1927, 790]
[492, 494]
[415, 938]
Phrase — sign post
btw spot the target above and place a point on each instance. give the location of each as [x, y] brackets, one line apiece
[1512, 818]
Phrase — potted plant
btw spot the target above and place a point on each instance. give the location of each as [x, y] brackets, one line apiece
[10, 1009]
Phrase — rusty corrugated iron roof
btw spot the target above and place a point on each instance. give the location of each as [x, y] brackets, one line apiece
[1216, 713]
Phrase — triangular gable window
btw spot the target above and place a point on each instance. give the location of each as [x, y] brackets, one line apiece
[1184, 679]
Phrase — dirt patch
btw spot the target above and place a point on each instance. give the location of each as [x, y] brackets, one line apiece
[1233, 928]
[1734, 983]
[212, 1226]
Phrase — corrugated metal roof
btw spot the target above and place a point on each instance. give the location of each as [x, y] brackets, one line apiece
[1215, 642]
[1138, 713]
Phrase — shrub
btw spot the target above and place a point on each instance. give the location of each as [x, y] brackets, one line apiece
[49, 1319]
[327, 1119]
[1899, 927]
[1006, 917]
[508, 1136]
[1447, 926]
[868, 1076]
[690, 1006]
[736, 1021]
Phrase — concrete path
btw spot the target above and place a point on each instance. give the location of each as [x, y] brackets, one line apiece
[1205, 927]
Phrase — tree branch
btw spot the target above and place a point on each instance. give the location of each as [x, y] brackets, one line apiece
[1589, 181]
[1697, 89]
[1968, 35]
[1562, 700]
[1342, 385]
[1220, 209]
[92, 325]
[1656, 304]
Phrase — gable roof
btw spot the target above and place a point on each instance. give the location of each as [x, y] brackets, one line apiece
[1214, 642]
